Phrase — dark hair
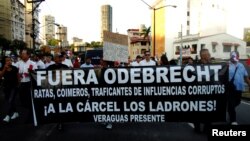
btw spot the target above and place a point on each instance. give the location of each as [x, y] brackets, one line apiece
[172, 62]
[4, 60]
[63, 53]
[146, 51]
[27, 51]
[203, 50]
[138, 56]
[164, 60]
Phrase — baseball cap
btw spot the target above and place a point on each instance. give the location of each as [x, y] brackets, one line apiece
[234, 56]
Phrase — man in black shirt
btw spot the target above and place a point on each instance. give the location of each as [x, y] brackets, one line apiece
[205, 58]
[58, 65]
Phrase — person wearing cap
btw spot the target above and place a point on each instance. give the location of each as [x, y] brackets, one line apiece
[239, 74]
[136, 62]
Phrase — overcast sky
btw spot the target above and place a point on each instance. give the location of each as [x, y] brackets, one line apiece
[82, 17]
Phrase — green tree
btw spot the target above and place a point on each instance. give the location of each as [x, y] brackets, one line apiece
[145, 32]
[4, 43]
[53, 42]
[17, 45]
[87, 44]
[96, 44]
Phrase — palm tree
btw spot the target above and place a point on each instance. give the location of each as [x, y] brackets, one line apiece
[146, 32]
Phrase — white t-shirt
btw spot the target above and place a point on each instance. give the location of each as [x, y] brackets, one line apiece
[68, 63]
[23, 69]
[40, 64]
[135, 63]
[147, 63]
[16, 64]
[48, 64]
[86, 66]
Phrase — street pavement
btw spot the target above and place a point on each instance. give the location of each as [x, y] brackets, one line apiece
[170, 131]
[98, 132]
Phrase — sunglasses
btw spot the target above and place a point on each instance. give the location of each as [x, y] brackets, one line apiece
[147, 54]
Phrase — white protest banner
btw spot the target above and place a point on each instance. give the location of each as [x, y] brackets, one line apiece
[115, 47]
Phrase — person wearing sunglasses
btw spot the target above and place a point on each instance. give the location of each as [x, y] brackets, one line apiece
[147, 61]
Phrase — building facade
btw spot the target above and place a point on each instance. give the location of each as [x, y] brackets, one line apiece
[219, 45]
[5, 19]
[79, 45]
[48, 28]
[106, 19]
[206, 17]
[17, 20]
[191, 17]
[137, 43]
[62, 36]
[12, 20]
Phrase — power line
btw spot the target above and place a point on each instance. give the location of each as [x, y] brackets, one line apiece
[48, 7]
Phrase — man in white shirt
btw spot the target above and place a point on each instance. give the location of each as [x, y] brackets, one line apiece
[137, 61]
[38, 60]
[147, 61]
[49, 61]
[87, 64]
[66, 61]
[25, 67]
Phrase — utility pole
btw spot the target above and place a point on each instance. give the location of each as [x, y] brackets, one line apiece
[154, 20]
[181, 47]
[33, 9]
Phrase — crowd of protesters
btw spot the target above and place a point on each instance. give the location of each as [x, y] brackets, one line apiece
[16, 80]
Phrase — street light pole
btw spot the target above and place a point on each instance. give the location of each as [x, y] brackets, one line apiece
[155, 9]
[181, 47]
[154, 35]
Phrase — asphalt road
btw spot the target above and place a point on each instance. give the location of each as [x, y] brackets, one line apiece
[172, 131]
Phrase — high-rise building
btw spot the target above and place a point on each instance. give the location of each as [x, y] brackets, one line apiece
[106, 19]
[190, 17]
[5, 19]
[17, 20]
[48, 28]
[206, 17]
[62, 36]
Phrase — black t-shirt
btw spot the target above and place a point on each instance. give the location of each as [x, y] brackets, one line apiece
[57, 66]
[10, 77]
